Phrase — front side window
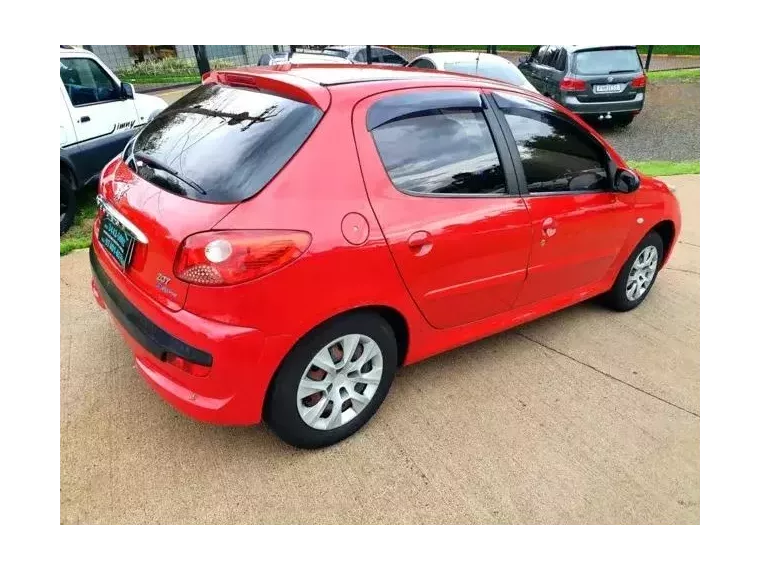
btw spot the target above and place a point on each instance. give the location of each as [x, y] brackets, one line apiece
[556, 155]
[87, 83]
[439, 152]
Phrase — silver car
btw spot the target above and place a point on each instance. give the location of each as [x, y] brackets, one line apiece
[474, 63]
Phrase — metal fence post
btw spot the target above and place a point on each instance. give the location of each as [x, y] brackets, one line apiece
[369, 55]
[649, 57]
[275, 48]
[202, 59]
[430, 49]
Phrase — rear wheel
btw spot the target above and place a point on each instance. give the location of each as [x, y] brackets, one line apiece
[333, 381]
[68, 200]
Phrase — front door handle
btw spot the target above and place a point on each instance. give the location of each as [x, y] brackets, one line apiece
[420, 243]
[84, 119]
[549, 227]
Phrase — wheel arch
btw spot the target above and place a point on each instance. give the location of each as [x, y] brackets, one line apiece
[666, 229]
[392, 316]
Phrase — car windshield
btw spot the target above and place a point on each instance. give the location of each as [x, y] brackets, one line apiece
[221, 144]
[490, 69]
[603, 62]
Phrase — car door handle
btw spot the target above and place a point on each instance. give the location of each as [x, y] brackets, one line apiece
[420, 243]
[549, 227]
[84, 119]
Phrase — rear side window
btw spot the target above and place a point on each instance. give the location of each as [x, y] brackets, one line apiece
[605, 62]
[441, 151]
[423, 63]
[222, 144]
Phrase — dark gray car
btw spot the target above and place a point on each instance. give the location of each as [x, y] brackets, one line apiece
[597, 82]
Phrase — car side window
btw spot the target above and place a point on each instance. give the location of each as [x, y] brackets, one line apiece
[440, 152]
[561, 63]
[550, 56]
[540, 57]
[87, 83]
[361, 55]
[533, 58]
[556, 155]
[423, 63]
[393, 58]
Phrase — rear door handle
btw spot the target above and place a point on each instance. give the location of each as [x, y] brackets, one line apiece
[84, 119]
[420, 243]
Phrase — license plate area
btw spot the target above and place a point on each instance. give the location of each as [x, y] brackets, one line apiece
[609, 88]
[116, 240]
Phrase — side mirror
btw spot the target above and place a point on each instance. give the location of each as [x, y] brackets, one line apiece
[626, 181]
[127, 91]
[523, 59]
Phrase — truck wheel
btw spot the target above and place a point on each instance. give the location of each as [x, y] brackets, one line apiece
[68, 200]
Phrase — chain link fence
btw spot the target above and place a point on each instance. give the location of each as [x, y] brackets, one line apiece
[150, 67]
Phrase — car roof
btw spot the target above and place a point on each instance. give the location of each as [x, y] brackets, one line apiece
[70, 50]
[575, 48]
[460, 56]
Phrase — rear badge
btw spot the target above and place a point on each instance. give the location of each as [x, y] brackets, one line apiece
[162, 284]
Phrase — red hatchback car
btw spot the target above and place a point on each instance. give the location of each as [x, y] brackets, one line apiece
[276, 243]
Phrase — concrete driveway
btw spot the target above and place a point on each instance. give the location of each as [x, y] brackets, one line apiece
[586, 416]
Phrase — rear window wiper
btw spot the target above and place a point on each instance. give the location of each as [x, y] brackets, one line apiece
[157, 164]
[623, 71]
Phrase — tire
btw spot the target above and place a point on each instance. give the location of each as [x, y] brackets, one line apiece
[68, 200]
[283, 410]
[618, 297]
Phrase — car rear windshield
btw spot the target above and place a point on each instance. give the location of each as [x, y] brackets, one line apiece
[489, 69]
[221, 144]
[605, 62]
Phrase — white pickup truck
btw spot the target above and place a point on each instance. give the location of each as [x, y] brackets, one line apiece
[99, 114]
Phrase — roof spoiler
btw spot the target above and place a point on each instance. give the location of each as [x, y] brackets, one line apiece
[291, 86]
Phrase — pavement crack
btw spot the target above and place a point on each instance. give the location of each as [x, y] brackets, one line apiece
[688, 243]
[602, 372]
[683, 270]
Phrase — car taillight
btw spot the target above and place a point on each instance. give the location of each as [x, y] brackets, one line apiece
[235, 256]
[639, 81]
[572, 84]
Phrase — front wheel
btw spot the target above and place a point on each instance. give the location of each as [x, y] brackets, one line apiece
[637, 276]
[333, 381]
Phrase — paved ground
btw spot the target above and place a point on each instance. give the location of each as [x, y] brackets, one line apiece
[586, 416]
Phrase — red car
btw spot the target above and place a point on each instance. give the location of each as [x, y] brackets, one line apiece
[279, 241]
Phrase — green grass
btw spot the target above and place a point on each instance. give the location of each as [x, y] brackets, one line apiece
[665, 168]
[682, 75]
[139, 79]
[78, 235]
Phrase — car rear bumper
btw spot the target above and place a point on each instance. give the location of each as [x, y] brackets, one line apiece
[229, 367]
[598, 107]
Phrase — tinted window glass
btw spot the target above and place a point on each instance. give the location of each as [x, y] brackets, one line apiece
[441, 151]
[86, 82]
[230, 142]
[393, 59]
[423, 63]
[602, 62]
[361, 55]
[541, 54]
[550, 56]
[492, 69]
[556, 156]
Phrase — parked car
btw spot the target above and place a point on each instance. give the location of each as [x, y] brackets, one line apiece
[99, 114]
[334, 54]
[474, 63]
[358, 54]
[304, 57]
[279, 253]
[596, 82]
